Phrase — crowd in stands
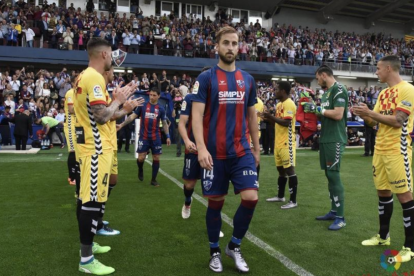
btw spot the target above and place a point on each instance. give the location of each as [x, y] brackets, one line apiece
[193, 37]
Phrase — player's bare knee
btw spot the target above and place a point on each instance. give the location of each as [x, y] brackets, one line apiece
[250, 195]
[290, 171]
[141, 158]
[384, 193]
[190, 184]
[156, 157]
[281, 171]
[405, 197]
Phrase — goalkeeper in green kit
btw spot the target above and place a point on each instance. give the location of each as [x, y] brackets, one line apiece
[332, 114]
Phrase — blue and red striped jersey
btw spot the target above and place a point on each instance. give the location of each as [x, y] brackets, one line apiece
[151, 115]
[186, 110]
[227, 95]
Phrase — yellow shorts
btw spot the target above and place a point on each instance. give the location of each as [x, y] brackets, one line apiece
[392, 172]
[114, 168]
[285, 157]
[95, 171]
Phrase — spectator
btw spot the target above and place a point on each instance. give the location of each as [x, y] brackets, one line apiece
[29, 36]
[126, 36]
[135, 42]
[165, 82]
[22, 129]
[183, 87]
[12, 36]
[353, 138]
[51, 126]
[10, 105]
[68, 38]
[44, 29]
[315, 138]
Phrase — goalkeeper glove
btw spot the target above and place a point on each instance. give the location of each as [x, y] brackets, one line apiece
[308, 107]
[319, 110]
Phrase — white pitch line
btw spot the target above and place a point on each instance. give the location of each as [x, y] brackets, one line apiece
[288, 263]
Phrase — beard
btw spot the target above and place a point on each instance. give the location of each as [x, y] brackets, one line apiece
[323, 85]
[227, 60]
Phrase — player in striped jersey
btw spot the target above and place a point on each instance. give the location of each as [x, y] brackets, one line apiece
[392, 159]
[223, 115]
[149, 134]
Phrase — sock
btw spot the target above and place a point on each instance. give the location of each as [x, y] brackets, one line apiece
[88, 221]
[385, 208]
[213, 222]
[78, 208]
[86, 252]
[241, 221]
[100, 218]
[77, 178]
[337, 192]
[258, 171]
[110, 189]
[188, 194]
[72, 166]
[281, 185]
[140, 165]
[408, 216]
[293, 187]
[155, 168]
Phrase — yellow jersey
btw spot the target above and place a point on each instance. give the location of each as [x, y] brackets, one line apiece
[259, 106]
[285, 137]
[70, 119]
[112, 127]
[391, 140]
[92, 138]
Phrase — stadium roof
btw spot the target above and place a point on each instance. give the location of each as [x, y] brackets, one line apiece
[396, 11]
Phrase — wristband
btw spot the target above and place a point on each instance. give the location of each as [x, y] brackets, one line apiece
[168, 136]
[323, 112]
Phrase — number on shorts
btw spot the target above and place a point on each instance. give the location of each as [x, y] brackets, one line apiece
[105, 180]
[373, 171]
[208, 174]
[187, 163]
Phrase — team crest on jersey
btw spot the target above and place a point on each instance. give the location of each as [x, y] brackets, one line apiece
[195, 87]
[183, 106]
[97, 91]
[69, 99]
[187, 172]
[207, 184]
[240, 83]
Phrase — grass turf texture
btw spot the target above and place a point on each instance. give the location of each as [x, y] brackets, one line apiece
[40, 234]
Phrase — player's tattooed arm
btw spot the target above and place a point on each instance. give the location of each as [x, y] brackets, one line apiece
[371, 122]
[102, 113]
[401, 117]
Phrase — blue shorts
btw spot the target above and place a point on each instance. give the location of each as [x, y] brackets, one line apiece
[192, 169]
[241, 171]
[146, 145]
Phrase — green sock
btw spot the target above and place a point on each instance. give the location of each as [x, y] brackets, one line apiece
[337, 192]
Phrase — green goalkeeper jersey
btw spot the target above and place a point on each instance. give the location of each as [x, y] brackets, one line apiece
[334, 131]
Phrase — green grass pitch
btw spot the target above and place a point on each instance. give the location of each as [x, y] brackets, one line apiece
[39, 234]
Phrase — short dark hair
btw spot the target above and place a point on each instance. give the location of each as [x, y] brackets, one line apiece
[394, 62]
[285, 86]
[156, 90]
[96, 42]
[325, 69]
[205, 68]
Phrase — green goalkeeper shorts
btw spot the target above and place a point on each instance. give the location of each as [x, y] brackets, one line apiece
[330, 155]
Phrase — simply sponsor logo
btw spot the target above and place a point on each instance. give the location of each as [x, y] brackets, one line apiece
[149, 115]
[231, 97]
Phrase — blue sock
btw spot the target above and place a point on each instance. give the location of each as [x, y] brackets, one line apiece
[213, 222]
[241, 221]
[155, 168]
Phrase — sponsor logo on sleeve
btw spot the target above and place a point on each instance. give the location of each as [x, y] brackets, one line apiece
[196, 87]
[183, 106]
[406, 103]
[97, 91]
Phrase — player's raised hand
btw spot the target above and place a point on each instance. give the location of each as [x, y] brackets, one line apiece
[130, 105]
[119, 94]
[205, 159]
[361, 110]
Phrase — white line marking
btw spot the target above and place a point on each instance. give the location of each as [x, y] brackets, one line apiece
[288, 263]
